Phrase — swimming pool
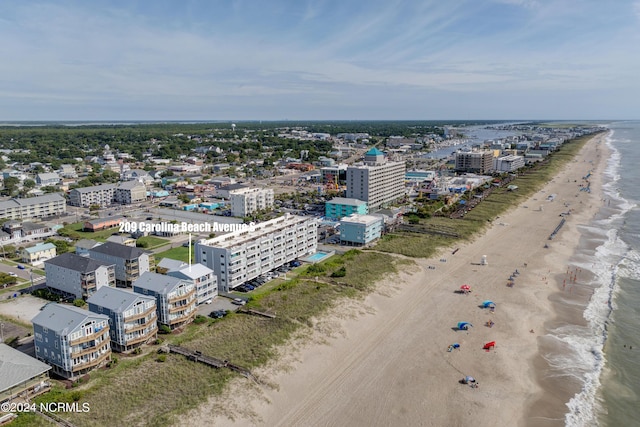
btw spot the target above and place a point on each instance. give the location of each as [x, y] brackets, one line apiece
[318, 256]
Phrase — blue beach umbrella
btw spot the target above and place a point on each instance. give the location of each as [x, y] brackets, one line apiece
[488, 303]
[464, 325]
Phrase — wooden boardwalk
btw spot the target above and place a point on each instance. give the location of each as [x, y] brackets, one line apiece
[197, 356]
[256, 313]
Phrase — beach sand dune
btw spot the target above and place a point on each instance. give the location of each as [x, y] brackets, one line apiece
[384, 360]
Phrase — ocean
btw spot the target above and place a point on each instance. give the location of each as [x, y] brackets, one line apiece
[593, 348]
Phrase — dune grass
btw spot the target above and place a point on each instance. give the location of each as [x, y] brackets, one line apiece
[144, 391]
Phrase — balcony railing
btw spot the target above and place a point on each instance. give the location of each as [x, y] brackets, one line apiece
[182, 318]
[88, 350]
[185, 296]
[91, 337]
[142, 315]
[138, 327]
[91, 363]
[178, 308]
[141, 338]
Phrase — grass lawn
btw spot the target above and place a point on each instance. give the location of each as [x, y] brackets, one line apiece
[151, 242]
[180, 253]
[100, 236]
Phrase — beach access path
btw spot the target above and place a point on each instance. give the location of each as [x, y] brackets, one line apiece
[383, 361]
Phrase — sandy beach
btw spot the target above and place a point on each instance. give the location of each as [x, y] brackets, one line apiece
[384, 360]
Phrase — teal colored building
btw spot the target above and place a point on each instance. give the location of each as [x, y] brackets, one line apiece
[359, 230]
[340, 207]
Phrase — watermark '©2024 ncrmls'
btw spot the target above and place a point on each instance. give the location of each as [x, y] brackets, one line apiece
[182, 227]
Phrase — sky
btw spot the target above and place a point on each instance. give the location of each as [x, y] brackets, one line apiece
[319, 60]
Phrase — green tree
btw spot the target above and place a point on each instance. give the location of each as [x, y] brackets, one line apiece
[29, 184]
[10, 186]
[61, 245]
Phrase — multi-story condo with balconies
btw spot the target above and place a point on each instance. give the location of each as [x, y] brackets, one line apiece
[129, 192]
[243, 255]
[72, 340]
[479, 162]
[100, 195]
[175, 297]
[132, 317]
[130, 263]
[377, 181]
[202, 276]
[77, 275]
[33, 207]
[245, 201]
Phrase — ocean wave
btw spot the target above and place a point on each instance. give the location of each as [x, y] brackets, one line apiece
[608, 261]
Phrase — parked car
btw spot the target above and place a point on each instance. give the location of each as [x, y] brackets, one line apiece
[21, 267]
[238, 301]
[12, 274]
[218, 314]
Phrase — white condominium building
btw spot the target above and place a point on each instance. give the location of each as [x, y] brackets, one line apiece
[245, 201]
[377, 181]
[100, 195]
[33, 207]
[240, 256]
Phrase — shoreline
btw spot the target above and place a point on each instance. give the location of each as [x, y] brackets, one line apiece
[384, 360]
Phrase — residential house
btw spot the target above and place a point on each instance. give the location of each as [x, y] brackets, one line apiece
[72, 340]
[175, 297]
[21, 376]
[78, 276]
[123, 240]
[130, 263]
[132, 317]
[45, 179]
[68, 171]
[38, 253]
[139, 175]
[25, 231]
[360, 229]
[83, 246]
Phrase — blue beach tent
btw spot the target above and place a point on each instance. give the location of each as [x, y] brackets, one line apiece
[463, 326]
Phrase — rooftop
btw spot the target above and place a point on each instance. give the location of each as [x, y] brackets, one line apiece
[64, 319]
[118, 250]
[374, 152]
[17, 367]
[157, 283]
[75, 262]
[40, 247]
[346, 201]
[360, 219]
[116, 299]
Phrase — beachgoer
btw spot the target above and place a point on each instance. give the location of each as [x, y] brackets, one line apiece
[532, 331]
